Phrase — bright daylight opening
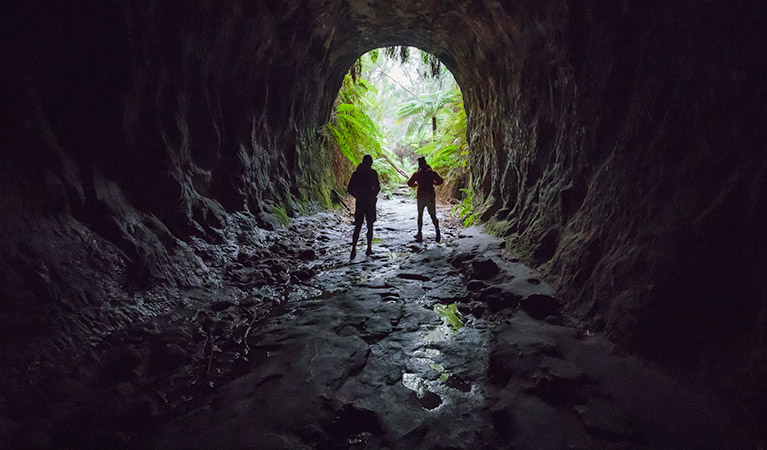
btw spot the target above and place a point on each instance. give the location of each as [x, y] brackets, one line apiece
[398, 104]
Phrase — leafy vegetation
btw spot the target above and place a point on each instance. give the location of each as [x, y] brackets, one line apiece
[450, 316]
[447, 151]
[281, 214]
[465, 208]
[352, 129]
[397, 107]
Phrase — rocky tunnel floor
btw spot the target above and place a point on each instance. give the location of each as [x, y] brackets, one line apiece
[451, 345]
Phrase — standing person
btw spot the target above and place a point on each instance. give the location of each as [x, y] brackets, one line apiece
[425, 179]
[364, 187]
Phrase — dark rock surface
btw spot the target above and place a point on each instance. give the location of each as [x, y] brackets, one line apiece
[617, 146]
[359, 357]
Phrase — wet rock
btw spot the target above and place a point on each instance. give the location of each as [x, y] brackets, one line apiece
[562, 370]
[516, 351]
[553, 320]
[142, 412]
[220, 306]
[484, 269]
[413, 276]
[559, 381]
[348, 330]
[497, 298]
[307, 254]
[119, 364]
[527, 422]
[323, 237]
[167, 357]
[540, 306]
[477, 309]
[394, 375]
[475, 285]
[177, 336]
[503, 420]
[68, 389]
[605, 420]
[352, 420]
[278, 266]
[304, 274]
[312, 433]
[458, 260]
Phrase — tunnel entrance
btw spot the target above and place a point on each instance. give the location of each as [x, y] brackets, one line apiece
[398, 104]
[155, 157]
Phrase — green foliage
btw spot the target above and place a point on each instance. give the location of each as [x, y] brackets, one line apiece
[465, 209]
[424, 110]
[281, 214]
[416, 109]
[448, 151]
[351, 127]
[389, 177]
[450, 316]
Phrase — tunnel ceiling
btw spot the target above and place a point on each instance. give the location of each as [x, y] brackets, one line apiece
[617, 146]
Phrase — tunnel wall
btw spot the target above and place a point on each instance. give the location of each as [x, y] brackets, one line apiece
[629, 166]
[617, 148]
[615, 144]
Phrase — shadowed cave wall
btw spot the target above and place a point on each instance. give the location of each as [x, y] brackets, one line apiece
[617, 145]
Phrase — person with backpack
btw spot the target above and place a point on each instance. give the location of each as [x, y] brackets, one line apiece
[364, 187]
[425, 179]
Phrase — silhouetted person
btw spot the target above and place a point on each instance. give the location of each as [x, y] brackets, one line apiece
[425, 179]
[364, 187]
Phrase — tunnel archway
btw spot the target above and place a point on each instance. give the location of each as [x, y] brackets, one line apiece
[398, 104]
[588, 121]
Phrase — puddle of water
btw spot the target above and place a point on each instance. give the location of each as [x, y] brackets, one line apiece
[427, 399]
[456, 382]
[450, 316]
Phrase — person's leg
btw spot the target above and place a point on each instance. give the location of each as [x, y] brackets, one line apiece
[370, 238]
[421, 206]
[370, 217]
[432, 207]
[358, 217]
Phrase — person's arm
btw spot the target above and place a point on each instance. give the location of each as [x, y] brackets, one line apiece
[352, 189]
[377, 184]
[413, 182]
[437, 179]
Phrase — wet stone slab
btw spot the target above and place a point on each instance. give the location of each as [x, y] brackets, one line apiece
[418, 346]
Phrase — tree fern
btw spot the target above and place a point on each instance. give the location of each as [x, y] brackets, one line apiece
[351, 128]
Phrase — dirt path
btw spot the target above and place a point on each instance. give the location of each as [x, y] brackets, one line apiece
[455, 345]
